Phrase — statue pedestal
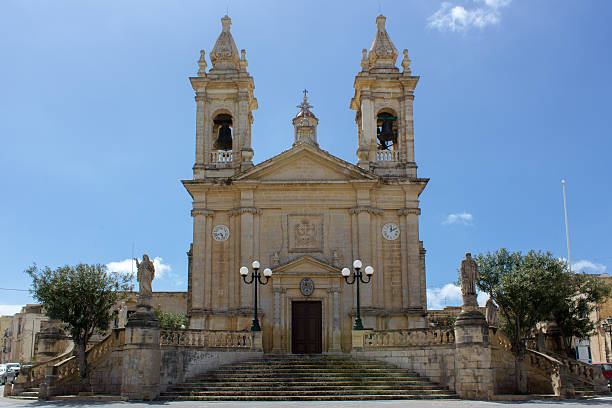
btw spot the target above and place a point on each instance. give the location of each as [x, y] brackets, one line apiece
[473, 368]
[141, 356]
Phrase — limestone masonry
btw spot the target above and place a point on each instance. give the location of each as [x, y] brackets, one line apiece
[306, 213]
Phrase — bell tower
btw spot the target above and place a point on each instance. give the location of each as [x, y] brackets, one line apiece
[225, 102]
[383, 101]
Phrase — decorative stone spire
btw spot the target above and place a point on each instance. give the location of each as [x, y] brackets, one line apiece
[382, 53]
[305, 123]
[224, 55]
[202, 64]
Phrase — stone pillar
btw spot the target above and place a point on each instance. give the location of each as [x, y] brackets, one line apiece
[200, 267]
[277, 335]
[473, 366]
[141, 356]
[336, 329]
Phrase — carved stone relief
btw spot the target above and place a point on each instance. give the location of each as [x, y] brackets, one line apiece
[305, 233]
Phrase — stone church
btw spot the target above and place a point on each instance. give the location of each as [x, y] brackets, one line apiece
[306, 213]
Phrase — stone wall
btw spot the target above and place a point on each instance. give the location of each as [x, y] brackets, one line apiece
[436, 363]
[180, 363]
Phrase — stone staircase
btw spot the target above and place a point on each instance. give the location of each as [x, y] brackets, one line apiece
[304, 378]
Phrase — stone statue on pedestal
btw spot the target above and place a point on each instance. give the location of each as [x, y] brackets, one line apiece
[146, 274]
[492, 316]
[469, 275]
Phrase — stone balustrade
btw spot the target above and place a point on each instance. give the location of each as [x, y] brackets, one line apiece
[213, 339]
[382, 339]
[222, 157]
[387, 155]
[498, 340]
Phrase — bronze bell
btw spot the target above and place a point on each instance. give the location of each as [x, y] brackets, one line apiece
[386, 134]
[224, 139]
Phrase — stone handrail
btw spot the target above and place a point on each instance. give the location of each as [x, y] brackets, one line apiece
[69, 367]
[39, 371]
[562, 371]
[380, 339]
[215, 339]
[498, 340]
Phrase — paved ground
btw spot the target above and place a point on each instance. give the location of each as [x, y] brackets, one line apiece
[597, 402]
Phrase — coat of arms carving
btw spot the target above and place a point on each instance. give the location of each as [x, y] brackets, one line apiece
[305, 233]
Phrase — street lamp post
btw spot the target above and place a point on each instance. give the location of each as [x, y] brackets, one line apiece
[606, 324]
[255, 279]
[357, 277]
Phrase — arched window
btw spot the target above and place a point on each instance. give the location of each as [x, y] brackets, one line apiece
[222, 132]
[386, 129]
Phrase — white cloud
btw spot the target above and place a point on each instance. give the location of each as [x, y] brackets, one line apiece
[10, 309]
[458, 18]
[449, 295]
[129, 266]
[459, 218]
[588, 266]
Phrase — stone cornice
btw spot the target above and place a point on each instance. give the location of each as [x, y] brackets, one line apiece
[202, 211]
[369, 209]
[242, 210]
[409, 211]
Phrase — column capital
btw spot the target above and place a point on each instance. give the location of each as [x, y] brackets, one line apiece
[409, 211]
[202, 211]
[242, 210]
[361, 208]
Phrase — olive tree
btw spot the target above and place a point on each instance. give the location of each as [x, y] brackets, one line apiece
[81, 296]
[535, 288]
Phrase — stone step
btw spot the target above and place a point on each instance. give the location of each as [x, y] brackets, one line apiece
[317, 378]
[28, 394]
[339, 397]
[182, 388]
[362, 391]
[313, 369]
[313, 379]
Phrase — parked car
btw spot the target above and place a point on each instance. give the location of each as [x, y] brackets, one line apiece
[7, 374]
[16, 367]
[606, 370]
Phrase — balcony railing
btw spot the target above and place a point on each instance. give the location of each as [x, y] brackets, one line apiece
[222, 157]
[387, 155]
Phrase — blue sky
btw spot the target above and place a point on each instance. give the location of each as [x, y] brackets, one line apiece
[97, 122]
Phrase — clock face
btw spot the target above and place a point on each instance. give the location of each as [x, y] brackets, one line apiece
[390, 231]
[221, 233]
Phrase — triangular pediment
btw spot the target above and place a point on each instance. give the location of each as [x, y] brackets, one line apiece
[306, 264]
[305, 163]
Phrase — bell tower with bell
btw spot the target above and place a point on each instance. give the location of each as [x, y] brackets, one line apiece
[383, 101]
[225, 102]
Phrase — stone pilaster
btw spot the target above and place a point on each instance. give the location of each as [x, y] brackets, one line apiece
[141, 357]
[336, 330]
[200, 266]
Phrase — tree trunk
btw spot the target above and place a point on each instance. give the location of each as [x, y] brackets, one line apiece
[521, 374]
[83, 378]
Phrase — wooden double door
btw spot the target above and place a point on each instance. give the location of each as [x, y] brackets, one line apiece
[306, 328]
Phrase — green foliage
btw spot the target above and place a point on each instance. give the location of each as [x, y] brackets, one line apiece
[538, 287]
[170, 320]
[80, 296]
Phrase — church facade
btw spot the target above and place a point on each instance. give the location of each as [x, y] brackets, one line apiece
[305, 213]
